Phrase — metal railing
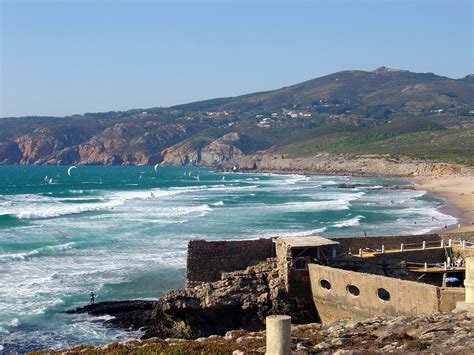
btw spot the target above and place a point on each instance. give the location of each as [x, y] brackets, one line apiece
[444, 266]
[416, 246]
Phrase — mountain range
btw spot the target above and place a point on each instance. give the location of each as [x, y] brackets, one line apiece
[385, 112]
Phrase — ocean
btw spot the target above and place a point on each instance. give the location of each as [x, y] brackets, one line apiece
[122, 232]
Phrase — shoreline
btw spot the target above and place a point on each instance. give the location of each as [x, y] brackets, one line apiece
[457, 192]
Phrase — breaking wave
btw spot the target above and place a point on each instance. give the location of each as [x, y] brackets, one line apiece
[47, 250]
[58, 211]
[349, 222]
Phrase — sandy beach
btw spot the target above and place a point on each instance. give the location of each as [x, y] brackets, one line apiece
[458, 190]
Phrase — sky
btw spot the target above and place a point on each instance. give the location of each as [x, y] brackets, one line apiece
[76, 56]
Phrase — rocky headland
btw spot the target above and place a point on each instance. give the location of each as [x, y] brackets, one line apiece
[240, 299]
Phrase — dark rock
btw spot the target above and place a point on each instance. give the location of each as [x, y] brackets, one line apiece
[240, 300]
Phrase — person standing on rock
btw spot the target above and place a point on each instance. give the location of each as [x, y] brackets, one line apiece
[93, 297]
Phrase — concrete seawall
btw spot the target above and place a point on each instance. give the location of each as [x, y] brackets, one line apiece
[342, 294]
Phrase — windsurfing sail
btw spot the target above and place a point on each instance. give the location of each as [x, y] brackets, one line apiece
[50, 181]
[197, 178]
[46, 178]
[223, 178]
[70, 169]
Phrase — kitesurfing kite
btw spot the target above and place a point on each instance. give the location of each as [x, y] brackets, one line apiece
[70, 169]
[156, 167]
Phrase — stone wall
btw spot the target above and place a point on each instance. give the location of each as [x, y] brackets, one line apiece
[207, 260]
[284, 260]
[406, 297]
[449, 296]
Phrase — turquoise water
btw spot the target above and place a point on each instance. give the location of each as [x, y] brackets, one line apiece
[122, 232]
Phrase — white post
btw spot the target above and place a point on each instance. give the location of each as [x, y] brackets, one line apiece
[445, 266]
[423, 245]
[401, 247]
[426, 266]
[383, 249]
[278, 335]
[449, 261]
[469, 280]
[442, 243]
[450, 243]
[360, 252]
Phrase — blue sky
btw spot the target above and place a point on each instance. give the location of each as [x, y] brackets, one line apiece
[65, 57]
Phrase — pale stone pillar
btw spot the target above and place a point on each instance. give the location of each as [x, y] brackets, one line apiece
[468, 303]
[278, 335]
[469, 280]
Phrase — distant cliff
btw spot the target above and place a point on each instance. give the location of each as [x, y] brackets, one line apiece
[384, 112]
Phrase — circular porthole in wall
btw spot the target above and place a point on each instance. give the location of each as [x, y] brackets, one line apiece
[325, 284]
[383, 295]
[353, 290]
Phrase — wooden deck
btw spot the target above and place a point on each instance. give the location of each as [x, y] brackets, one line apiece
[437, 269]
[371, 254]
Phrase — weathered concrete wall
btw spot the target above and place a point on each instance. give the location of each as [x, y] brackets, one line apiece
[406, 297]
[449, 296]
[207, 260]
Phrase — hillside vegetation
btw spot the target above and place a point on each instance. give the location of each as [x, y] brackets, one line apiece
[432, 142]
[383, 112]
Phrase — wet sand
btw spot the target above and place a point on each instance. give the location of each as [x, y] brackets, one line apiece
[458, 190]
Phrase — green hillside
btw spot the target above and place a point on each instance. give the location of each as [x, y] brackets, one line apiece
[434, 143]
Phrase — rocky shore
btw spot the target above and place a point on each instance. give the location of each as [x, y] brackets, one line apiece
[325, 164]
[240, 299]
[441, 333]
